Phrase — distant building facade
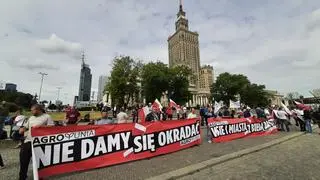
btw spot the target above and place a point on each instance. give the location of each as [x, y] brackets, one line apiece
[101, 85]
[11, 87]
[275, 98]
[85, 82]
[183, 48]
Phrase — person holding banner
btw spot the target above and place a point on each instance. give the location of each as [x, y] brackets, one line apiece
[37, 120]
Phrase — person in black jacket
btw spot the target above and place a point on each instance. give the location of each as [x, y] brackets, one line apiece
[152, 116]
[307, 119]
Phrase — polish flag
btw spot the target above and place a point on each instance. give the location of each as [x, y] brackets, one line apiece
[157, 105]
[302, 106]
[143, 112]
[174, 104]
[286, 109]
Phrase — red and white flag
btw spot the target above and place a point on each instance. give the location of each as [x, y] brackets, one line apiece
[157, 105]
[143, 112]
[302, 106]
[174, 104]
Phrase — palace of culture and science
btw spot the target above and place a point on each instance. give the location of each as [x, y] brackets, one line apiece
[183, 48]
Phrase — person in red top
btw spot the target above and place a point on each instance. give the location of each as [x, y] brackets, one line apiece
[169, 113]
[72, 116]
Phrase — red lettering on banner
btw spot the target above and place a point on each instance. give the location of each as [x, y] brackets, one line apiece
[223, 130]
[67, 149]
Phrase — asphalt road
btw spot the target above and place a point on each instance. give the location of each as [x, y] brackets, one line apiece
[296, 159]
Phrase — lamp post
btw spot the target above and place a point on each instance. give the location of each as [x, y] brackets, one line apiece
[58, 92]
[42, 76]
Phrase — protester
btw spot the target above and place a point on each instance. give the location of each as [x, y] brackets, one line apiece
[17, 123]
[246, 113]
[122, 117]
[114, 110]
[282, 117]
[202, 113]
[209, 114]
[105, 119]
[169, 113]
[1, 163]
[72, 116]
[192, 114]
[4, 112]
[37, 119]
[184, 113]
[134, 113]
[152, 116]
[307, 120]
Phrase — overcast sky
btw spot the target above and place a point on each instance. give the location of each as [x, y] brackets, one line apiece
[273, 42]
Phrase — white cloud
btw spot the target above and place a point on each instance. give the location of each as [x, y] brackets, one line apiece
[56, 45]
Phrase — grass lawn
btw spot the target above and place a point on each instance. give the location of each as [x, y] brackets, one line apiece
[56, 116]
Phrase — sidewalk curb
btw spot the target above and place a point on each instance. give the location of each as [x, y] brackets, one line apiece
[214, 161]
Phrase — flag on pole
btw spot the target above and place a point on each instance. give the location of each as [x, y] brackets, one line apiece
[157, 105]
[235, 104]
[174, 104]
[302, 106]
[143, 112]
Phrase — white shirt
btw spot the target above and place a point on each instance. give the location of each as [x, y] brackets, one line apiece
[191, 115]
[122, 117]
[19, 120]
[103, 121]
[43, 120]
[281, 115]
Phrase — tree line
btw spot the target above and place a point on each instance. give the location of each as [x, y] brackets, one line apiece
[130, 77]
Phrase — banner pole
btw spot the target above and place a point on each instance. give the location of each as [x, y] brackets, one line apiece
[34, 163]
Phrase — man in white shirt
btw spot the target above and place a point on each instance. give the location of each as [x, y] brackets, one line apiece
[192, 114]
[37, 120]
[122, 117]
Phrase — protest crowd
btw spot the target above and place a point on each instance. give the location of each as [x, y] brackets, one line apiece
[301, 115]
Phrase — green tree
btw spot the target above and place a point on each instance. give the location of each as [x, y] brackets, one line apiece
[21, 99]
[254, 95]
[157, 78]
[179, 84]
[154, 80]
[230, 86]
[122, 84]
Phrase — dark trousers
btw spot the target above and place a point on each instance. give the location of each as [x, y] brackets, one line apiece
[25, 156]
[1, 161]
[302, 125]
[284, 123]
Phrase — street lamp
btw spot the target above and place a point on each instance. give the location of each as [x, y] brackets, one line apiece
[42, 75]
[58, 92]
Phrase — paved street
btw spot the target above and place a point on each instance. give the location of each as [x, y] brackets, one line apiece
[144, 168]
[297, 159]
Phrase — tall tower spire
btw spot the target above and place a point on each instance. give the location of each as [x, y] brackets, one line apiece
[182, 22]
[82, 58]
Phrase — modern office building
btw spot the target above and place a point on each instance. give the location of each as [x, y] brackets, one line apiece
[101, 86]
[11, 87]
[85, 82]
